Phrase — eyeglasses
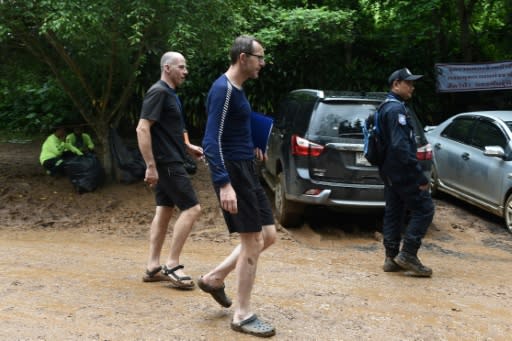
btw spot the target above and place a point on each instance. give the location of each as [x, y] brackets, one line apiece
[260, 57]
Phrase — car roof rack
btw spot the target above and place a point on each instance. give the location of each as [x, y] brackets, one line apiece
[337, 94]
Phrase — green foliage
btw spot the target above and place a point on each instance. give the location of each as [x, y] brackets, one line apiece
[312, 27]
[30, 110]
[97, 58]
[93, 52]
[299, 43]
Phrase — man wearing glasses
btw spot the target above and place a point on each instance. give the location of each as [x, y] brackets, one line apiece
[160, 134]
[230, 153]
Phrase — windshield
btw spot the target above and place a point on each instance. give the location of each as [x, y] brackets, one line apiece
[340, 119]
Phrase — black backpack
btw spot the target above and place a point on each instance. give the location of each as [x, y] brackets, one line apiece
[374, 147]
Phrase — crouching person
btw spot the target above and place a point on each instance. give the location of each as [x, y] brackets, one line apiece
[54, 151]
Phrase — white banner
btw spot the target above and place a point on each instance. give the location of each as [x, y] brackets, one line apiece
[474, 76]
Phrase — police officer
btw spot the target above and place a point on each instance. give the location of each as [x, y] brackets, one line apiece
[405, 185]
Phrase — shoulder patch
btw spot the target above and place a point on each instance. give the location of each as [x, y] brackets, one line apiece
[401, 119]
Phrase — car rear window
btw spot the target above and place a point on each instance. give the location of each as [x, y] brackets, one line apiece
[340, 119]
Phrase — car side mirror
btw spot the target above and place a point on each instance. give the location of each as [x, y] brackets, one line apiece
[494, 151]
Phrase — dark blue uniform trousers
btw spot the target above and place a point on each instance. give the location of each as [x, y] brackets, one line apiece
[399, 200]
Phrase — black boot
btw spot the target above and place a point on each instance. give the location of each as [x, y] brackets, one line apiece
[390, 265]
[412, 264]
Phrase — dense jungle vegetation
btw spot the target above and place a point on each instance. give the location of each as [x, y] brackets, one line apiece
[90, 61]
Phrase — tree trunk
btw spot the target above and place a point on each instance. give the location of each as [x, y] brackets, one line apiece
[465, 15]
[103, 151]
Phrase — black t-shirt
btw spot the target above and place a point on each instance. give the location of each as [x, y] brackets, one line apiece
[161, 105]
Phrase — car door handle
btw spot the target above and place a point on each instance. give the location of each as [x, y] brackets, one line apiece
[465, 156]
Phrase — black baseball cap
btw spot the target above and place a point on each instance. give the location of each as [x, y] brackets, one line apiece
[403, 75]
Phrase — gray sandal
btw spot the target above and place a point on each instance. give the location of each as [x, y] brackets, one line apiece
[218, 294]
[254, 326]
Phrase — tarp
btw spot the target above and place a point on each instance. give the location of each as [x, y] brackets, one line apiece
[129, 161]
[474, 76]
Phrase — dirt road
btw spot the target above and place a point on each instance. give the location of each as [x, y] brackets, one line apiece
[71, 269]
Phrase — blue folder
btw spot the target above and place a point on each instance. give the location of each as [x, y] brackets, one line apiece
[261, 126]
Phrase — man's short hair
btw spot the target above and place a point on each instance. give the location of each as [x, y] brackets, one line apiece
[168, 58]
[242, 44]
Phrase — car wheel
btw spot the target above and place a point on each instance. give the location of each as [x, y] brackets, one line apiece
[434, 182]
[508, 212]
[288, 213]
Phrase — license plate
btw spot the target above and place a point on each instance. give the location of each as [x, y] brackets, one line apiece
[361, 160]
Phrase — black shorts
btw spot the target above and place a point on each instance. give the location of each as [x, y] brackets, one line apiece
[174, 187]
[254, 210]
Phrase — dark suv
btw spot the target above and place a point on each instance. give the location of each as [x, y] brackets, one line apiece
[315, 154]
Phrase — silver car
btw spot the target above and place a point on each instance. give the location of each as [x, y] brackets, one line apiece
[472, 160]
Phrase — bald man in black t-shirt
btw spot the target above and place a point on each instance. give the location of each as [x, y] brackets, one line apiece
[160, 135]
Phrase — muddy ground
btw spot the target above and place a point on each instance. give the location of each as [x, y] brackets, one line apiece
[71, 268]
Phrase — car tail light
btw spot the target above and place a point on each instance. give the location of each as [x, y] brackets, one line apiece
[303, 147]
[424, 152]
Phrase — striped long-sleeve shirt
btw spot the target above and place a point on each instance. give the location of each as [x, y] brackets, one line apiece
[228, 128]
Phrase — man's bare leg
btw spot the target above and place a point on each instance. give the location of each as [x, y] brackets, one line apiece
[215, 278]
[157, 233]
[246, 265]
[181, 231]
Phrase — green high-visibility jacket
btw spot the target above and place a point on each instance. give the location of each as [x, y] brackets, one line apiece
[86, 141]
[54, 147]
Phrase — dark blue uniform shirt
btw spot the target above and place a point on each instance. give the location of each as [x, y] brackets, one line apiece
[400, 167]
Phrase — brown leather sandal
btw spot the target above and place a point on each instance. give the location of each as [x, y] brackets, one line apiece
[155, 275]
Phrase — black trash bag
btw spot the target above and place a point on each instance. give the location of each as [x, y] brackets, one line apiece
[85, 172]
[129, 162]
